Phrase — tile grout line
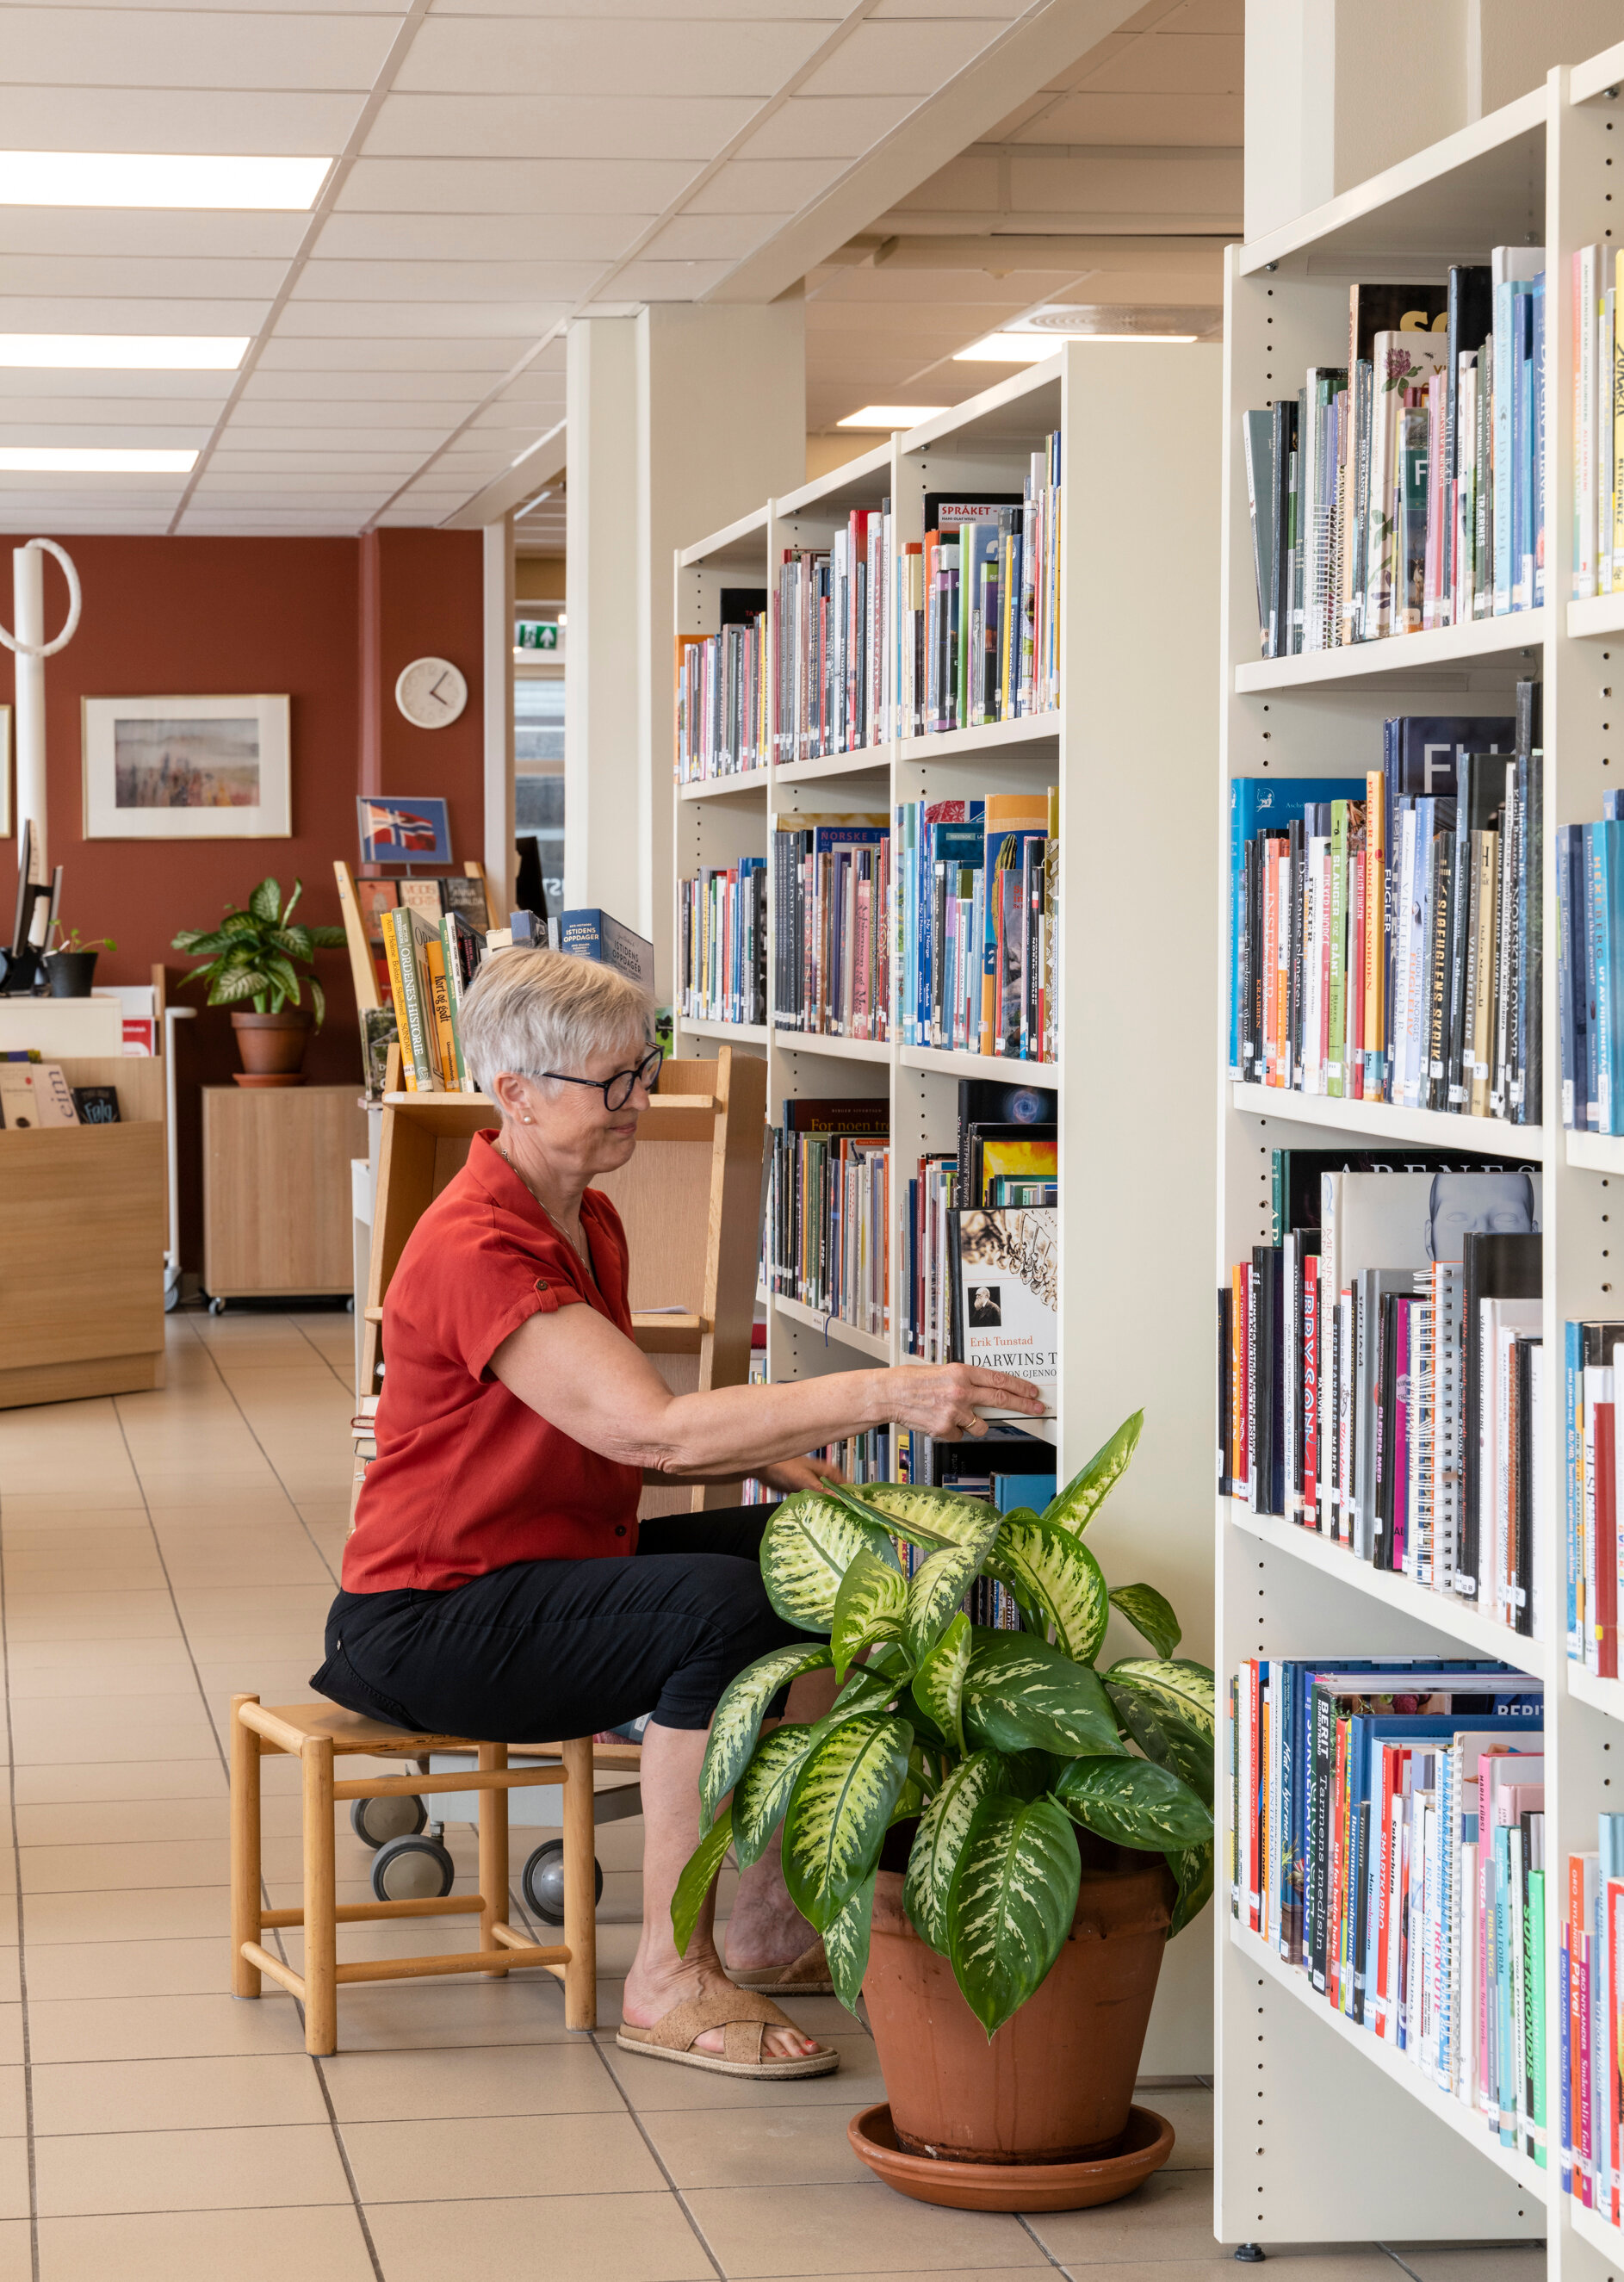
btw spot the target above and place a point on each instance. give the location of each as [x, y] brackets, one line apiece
[642, 2132]
[1027, 2228]
[275, 1475]
[341, 2150]
[22, 1962]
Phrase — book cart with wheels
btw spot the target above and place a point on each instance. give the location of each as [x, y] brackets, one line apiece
[1324, 2133]
[1129, 745]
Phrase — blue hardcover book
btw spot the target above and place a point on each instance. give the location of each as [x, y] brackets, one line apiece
[595, 934]
[1522, 452]
[1504, 486]
[952, 848]
[1565, 968]
[1573, 1377]
[1603, 858]
[1540, 395]
[1587, 909]
[1612, 835]
[1266, 804]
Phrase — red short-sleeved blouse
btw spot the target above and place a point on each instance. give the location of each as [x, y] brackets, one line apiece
[467, 1477]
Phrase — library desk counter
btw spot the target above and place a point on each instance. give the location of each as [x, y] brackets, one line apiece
[83, 1217]
[277, 1189]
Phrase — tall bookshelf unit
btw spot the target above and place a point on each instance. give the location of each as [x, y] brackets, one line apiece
[1129, 746]
[1323, 2134]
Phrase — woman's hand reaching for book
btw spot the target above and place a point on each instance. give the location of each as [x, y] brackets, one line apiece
[946, 1399]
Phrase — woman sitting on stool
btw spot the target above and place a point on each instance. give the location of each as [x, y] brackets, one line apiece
[488, 1587]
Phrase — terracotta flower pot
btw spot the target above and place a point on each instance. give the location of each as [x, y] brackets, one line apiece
[1056, 2084]
[272, 1046]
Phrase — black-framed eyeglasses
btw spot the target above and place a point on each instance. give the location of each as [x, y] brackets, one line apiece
[617, 1090]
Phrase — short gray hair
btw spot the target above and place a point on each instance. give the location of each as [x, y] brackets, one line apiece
[530, 1010]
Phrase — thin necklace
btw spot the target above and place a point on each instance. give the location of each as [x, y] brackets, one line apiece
[579, 1250]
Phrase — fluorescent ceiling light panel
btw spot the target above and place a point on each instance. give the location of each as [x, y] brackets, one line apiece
[125, 352]
[91, 460]
[138, 178]
[1031, 348]
[889, 416]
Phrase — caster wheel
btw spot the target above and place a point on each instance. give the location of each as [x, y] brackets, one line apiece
[217, 1307]
[542, 1882]
[412, 1869]
[349, 1306]
[376, 1820]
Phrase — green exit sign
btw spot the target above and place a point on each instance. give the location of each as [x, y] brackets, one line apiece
[536, 633]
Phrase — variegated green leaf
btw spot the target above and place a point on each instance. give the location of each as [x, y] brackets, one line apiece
[1086, 1492]
[1012, 1904]
[1180, 1692]
[698, 1876]
[1192, 1865]
[845, 1944]
[868, 1686]
[762, 1792]
[867, 1608]
[1134, 1803]
[266, 902]
[1022, 1694]
[737, 1722]
[943, 1831]
[1050, 1568]
[839, 1810]
[939, 1684]
[1173, 1746]
[939, 1584]
[1150, 1615]
[808, 1545]
[927, 1517]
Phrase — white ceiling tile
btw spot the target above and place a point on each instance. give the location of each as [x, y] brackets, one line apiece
[827, 13]
[526, 187]
[1004, 9]
[576, 126]
[286, 352]
[764, 185]
[286, 489]
[115, 277]
[902, 58]
[406, 397]
[222, 121]
[714, 238]
[202, 392]
[305, 442]
[150, 233]
[668, 280]
[392, 319]
[316, 471]
[602, 56]
[1212, 120]
[827, 127]
[1169, 65]
[430, 283]
[34, 314]
[168, 47]
[535, 236]
[41, 426]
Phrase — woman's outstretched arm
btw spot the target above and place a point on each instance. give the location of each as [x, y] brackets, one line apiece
[593, 1383]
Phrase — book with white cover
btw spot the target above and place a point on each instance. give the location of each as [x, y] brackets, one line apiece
[1006, 1294]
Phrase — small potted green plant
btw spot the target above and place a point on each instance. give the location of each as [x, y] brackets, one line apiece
[995, 1839]
[250, 964]
[71, 966]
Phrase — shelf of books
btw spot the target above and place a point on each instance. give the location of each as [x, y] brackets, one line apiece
[948, 897]
[1421, 1124]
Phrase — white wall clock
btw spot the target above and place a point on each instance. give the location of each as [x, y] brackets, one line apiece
[430, 693]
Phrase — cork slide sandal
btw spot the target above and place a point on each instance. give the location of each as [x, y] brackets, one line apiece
[744, 2016]
[808, 1976]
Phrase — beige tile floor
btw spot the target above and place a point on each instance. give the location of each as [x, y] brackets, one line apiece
[174, 1547]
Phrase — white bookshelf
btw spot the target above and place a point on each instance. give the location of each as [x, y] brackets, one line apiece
[1129, 746]
[1540, 171]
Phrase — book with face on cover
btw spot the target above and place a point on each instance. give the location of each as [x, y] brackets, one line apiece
[1005, 1267]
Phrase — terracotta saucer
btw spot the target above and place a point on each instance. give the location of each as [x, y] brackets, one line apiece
[263, 1078]
[1013, 2187]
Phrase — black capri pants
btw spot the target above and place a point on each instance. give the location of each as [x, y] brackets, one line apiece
[555, 1649]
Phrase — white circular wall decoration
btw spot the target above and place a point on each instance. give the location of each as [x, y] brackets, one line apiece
[430, 693]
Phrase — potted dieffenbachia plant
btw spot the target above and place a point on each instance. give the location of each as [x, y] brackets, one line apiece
[1034, 1799]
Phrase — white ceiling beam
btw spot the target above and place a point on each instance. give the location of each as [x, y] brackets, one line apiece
[541, 465]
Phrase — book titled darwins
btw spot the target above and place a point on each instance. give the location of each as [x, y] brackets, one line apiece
[1004, 1266]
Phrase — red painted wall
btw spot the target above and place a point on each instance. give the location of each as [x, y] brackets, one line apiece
[238, 617]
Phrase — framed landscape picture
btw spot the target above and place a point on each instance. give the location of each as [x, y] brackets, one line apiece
[186, 768]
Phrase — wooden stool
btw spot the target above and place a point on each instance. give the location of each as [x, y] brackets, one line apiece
[314, 1734]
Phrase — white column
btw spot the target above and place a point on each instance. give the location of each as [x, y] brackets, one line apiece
[681, 419]
[28, 621]
[498, 678]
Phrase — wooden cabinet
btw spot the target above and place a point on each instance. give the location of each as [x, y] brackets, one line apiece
[81, 1246]
[277, 1205]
